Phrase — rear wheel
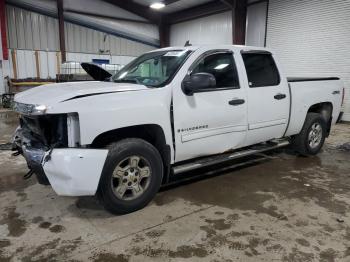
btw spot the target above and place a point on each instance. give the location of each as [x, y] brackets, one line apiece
[131, 176]
[312, 136]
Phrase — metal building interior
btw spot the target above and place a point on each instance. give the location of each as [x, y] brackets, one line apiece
[275, 206]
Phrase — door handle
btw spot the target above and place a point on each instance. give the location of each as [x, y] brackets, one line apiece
[280, 96]
[236, 102]
[336, 92]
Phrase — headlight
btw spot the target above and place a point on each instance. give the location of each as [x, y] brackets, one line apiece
[39, 110]
[28, 109]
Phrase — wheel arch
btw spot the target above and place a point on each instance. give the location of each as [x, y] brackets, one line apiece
[326, 110]
[152, 133]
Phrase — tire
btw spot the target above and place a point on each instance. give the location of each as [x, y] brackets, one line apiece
[128, 161]
[301, 142]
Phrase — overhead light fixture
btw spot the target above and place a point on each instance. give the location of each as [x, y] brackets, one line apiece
[157, 5]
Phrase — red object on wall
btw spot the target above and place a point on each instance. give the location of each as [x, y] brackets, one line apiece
[5, 52]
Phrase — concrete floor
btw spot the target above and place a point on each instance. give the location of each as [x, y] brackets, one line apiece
[285, 208]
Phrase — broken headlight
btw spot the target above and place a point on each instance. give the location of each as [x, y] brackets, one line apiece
[28, 109]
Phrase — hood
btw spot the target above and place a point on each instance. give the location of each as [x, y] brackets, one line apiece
[55, 93]
[96, 72]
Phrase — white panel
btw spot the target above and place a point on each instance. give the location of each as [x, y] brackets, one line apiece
[215, 29]
[29, 63]
[11, 24]
[89, 40]
[51, 34]
[43, 60]
[28, 32]
[83, 37]
[36, 32]
[43, 32]
[21, 67]
[256, 24]
[51, 64]
[312, 38]
[123, 46]
[21, 43]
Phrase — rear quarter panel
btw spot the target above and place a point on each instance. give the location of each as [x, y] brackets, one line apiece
[308, 93]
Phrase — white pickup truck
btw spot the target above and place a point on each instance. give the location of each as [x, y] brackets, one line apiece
[167, 112]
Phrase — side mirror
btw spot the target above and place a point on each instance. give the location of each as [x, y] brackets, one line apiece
[198, 82]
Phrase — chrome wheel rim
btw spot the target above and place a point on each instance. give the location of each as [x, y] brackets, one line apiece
[315, 135]
[131, 178]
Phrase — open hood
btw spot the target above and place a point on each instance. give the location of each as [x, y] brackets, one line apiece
[95, 71]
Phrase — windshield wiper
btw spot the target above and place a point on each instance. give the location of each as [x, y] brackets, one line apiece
[132, 81]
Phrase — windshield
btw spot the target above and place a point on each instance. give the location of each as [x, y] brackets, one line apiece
[153, 69]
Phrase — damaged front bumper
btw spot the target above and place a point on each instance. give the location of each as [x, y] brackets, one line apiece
[70, 171]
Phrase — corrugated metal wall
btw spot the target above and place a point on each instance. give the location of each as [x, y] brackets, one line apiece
[312, 38]
[28, 31]
[33, 31]
[256, 24]
[214, 29]
[49, 62]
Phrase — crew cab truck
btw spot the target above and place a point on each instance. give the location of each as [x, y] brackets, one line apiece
[169, 111]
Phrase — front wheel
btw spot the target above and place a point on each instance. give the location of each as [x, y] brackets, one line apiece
[131, 177]
[312, 136]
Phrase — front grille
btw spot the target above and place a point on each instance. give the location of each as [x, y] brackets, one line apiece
[45, 130]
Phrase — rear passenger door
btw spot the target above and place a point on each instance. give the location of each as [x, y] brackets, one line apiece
[268, 98]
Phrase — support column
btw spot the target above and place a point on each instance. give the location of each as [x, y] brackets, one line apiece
[61, 30]
[239, 15]
[5, 53]
[164, 33]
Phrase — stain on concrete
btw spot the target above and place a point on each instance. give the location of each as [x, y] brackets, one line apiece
[37, 219]
[303, 242]
[109, 257]
[155, 233]
[218, 224]
[188, 251]
[57, 228]
[328, 255]
[15, 225]
[53, 250]
[299, 256]
[45, 224]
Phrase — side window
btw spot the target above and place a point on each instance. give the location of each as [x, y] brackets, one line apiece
[223, 68]
[261, 70]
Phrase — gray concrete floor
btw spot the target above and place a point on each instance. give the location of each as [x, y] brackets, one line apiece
[285, 208]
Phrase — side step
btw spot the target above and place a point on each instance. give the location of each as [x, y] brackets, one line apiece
[217, 159]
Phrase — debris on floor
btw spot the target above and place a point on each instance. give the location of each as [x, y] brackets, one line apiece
[344, 147]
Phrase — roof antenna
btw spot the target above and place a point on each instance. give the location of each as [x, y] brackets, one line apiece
[188, 43]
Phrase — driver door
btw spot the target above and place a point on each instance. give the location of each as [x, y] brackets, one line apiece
[213, 120]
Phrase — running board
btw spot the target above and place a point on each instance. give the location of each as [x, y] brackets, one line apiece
[217, 159]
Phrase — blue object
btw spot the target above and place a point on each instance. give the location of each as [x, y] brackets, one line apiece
[100, 61]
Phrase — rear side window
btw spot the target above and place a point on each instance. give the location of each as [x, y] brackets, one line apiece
[222, 66]
[261, 70]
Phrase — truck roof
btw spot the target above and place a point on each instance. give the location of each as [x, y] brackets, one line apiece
[213, 47]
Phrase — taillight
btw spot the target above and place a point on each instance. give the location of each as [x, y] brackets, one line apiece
[342, 99]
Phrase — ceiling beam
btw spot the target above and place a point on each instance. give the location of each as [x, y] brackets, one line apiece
[105, 16]
[169, 2]
[203, 10]
[137, 9]
[229, 3]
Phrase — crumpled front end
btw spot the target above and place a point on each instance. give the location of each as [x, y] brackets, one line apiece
[50, 145]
